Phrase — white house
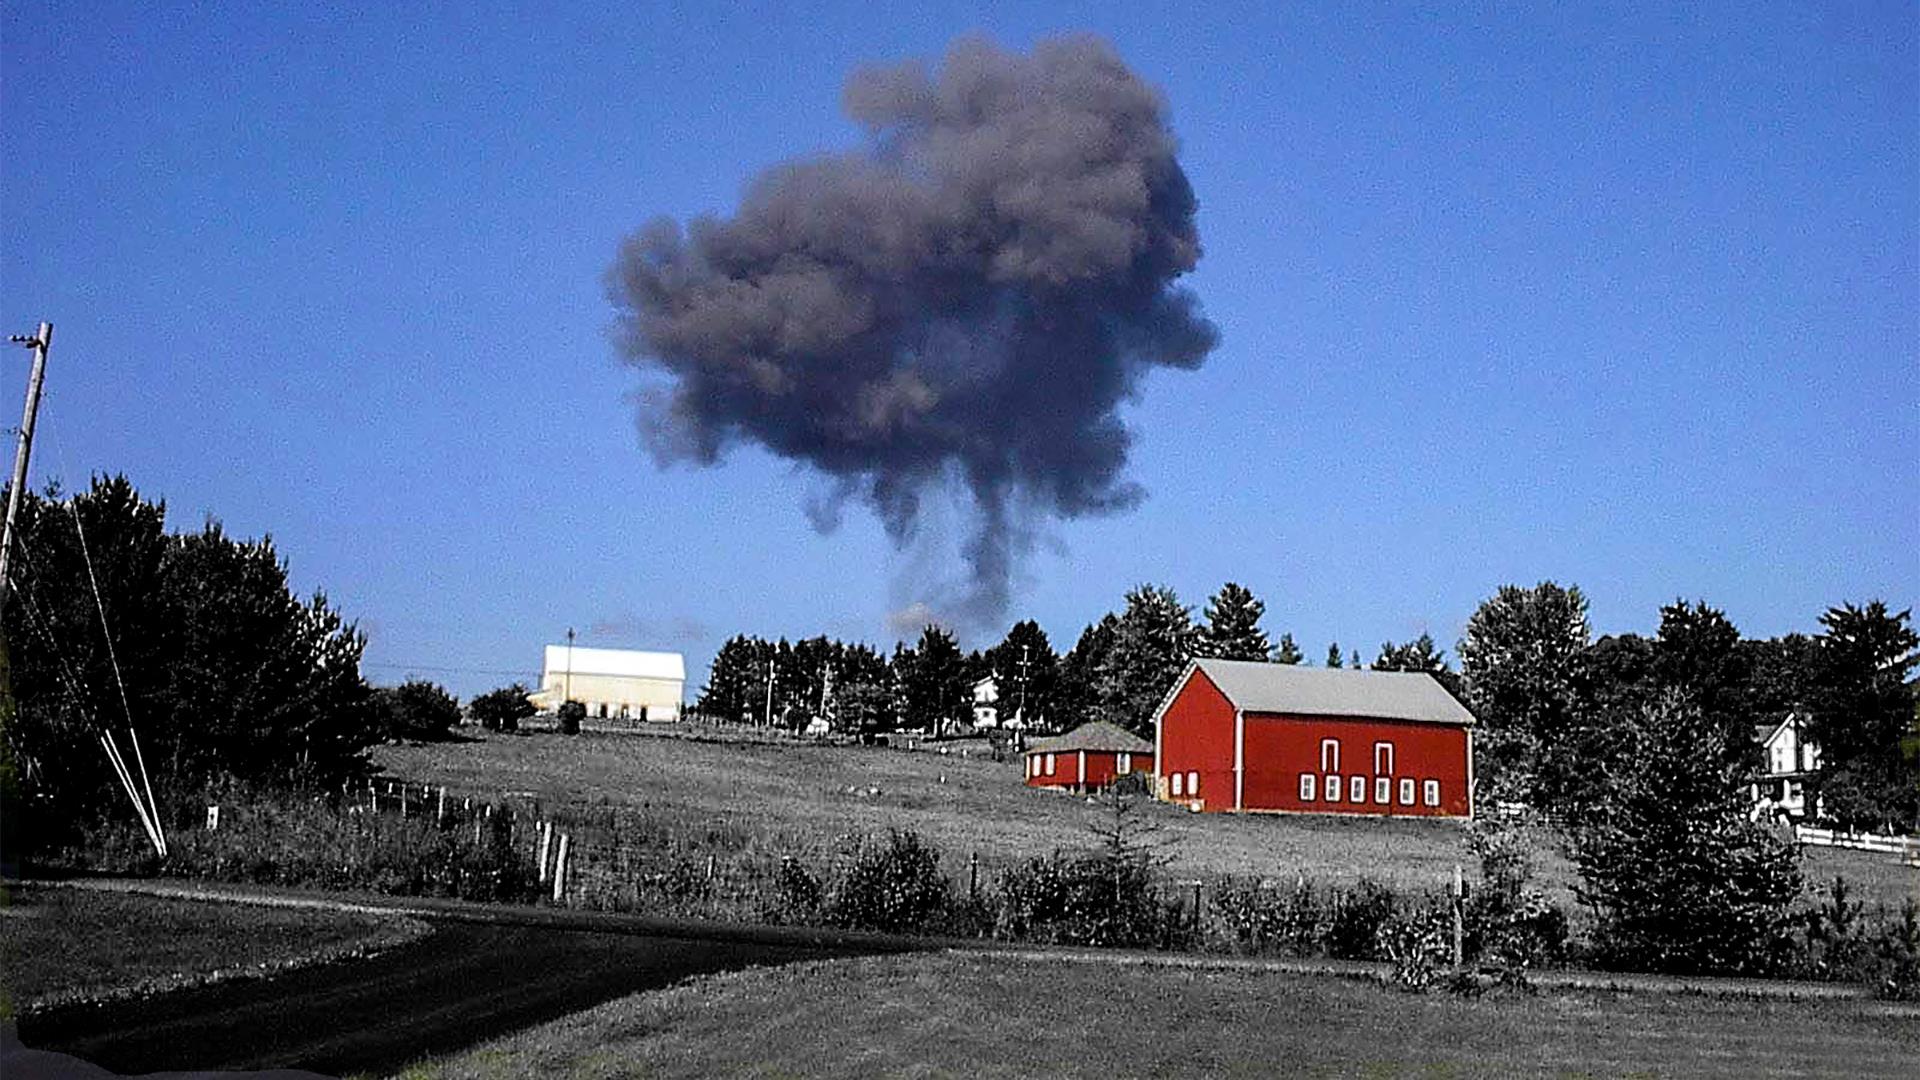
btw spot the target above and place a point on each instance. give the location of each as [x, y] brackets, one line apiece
[986, 704]
[1781, 788]
[614, 684]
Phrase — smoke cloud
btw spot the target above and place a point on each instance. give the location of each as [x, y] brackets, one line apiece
[967, 299]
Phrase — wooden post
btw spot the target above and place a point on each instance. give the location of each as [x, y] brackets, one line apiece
[373, 799]
[1196, 905]
[973, 875]
[712, 861]
[440, 810]
[403, 800]
[1459, 915]
[560, 871]
[546, 836]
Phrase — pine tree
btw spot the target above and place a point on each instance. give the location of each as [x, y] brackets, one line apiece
[1152, 643]
[1287, 652]
[1334, 659]
[1233, 626]
[1025, 668]
[1863, 710]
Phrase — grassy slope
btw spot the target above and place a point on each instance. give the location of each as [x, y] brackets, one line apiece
[69, 942]
[974, 804]
[987, 1016]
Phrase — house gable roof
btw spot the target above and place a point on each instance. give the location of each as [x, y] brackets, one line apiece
[1098, 735]
[1256, 687]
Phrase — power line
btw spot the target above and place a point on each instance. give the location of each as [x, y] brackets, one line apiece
[450, 670]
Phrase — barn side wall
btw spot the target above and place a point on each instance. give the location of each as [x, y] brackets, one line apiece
[1196, 736]
[1280, 749]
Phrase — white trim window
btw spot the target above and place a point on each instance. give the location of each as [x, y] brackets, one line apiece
[1329, 755]
[1430, 792]
[1333, 788]
[1382, 790]
[1177, 778]
[1383, 759]
[1193, 783]
[1406, 791]
[1306, 787]
[1357, 789]
[1123, 764]
[1049, 764]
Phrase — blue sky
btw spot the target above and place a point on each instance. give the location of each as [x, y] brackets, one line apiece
[1627, 297]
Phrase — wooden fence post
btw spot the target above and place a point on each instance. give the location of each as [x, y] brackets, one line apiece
[560, 871]
[440, 810]
[546, 836]
[1196, 905]
[973, 876]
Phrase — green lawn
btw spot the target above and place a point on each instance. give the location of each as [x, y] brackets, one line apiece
[977, 1015]
[973, 804]
[60, 944]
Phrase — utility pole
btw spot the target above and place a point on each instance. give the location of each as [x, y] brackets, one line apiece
[38, 343]
[1024, 650]
[769, 692]
[568, 692]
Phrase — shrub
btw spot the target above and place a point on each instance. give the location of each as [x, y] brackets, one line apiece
[1359, 915]
[1419, 946]
[418, 710]
[571, 713]
[893, 886]
[1508, 925]
[502, 709]
[1261, 919]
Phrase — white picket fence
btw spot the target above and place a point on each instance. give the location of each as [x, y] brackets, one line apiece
[1906, 847]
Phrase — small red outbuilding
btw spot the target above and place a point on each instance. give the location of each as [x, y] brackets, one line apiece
[1246, 736]
[1087, 758]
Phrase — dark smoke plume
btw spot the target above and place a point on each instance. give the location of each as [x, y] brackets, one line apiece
[970, 297]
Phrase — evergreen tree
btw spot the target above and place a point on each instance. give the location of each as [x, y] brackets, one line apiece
[1287, 652]
[1026, 669]
[1152, 643]
[1863, 711]
[1697, 653]
[735, 682]
[1233, 626]
[1081, 695]
[1679, 879]
[1419, 654]
[937, 694]
[1334, 657]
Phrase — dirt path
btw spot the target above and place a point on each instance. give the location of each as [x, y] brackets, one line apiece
[466, 982]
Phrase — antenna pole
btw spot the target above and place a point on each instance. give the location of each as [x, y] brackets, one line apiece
[38, 343]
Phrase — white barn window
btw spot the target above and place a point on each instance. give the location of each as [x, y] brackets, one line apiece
[1178, 784]
[1329, 755]
[1406, 792]
[1049, 764]
[1124, 765]
[1382, 790]
[1383, 759]
[1357, 789]
[1431, 792]
[1333, 788]
[1306, 787]
[1193, 782]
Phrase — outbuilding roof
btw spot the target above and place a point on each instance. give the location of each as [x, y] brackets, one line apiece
[1098, 735]
[1253, 686]
[628, 663]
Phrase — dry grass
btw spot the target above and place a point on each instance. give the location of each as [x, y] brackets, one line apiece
[961, 803]
[994, 1016]
[73, 944]
[973, 804]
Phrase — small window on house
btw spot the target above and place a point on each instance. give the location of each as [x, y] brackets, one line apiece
[1125, 765]
[1329, 755]
[1178, 784]
[1193, 783]
[1333, 789]
[1306, 787]
[1430, 793]
[1357, 789]
[1406, 792]
[1049, 764]
[1383, 759]
[1382, 790]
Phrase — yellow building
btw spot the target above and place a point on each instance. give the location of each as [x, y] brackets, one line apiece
[614, 684]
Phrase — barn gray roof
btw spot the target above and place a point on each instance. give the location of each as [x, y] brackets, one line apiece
[1098, 735]
[1253, 686]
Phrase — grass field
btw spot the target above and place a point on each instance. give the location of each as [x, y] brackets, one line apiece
[994, 1016]
[62, 944]
[973, 804]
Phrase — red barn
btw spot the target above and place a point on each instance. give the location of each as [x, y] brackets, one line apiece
[1244, 736]
[1087, 758]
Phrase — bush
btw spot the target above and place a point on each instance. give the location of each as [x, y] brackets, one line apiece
[502, 709]
[1508, 925]
[1264, 920]
[1840, 944]
[571, 713]
[1419, 946]
[893, 886]
[1087, 900]
[1360, 914]
[418, 710]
